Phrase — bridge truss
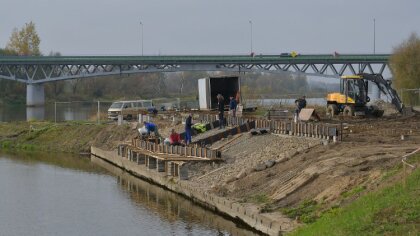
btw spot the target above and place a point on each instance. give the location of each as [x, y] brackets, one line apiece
[39, 70]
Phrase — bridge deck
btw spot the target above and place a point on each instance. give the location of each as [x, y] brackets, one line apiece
[187, 59]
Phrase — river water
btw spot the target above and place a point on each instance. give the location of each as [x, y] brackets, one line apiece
[55, 112]
[83, 111]
[56, 194]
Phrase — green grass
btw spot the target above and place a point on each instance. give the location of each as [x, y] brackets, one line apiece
[305, 212]
[354, 191]
[6, 144]
[261, 111]
[260, 198]
[48, 136]
[394, 210]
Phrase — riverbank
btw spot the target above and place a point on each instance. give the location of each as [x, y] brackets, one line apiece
[277, 175]
[71, 137]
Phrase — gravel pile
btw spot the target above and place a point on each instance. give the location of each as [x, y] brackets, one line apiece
[247, 153]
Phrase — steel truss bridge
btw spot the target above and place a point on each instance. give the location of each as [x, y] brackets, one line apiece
[35, 71]
[39, 70]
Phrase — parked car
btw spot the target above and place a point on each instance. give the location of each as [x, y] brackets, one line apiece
[128, 109]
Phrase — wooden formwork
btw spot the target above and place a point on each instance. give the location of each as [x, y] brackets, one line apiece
[245, 127]
[228, 119]
[315, 130]
[177, 151]
[170, 166]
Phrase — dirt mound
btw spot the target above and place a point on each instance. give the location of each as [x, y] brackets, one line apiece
[306, 169]
[110, 136]
[247, 153]
[387, 107]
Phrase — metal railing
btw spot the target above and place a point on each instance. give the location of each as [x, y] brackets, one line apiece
[410, 97]
[95, 111]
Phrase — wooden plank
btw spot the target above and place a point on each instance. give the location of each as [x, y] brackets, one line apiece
[172, 157]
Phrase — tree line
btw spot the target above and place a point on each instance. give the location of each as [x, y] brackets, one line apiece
[405, 67]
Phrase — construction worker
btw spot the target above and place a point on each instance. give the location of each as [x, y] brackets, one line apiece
[300, 104]
[221, 109]
[232, 110]
[232, 106]
[188, 124]
[150, 127]
[174, 138]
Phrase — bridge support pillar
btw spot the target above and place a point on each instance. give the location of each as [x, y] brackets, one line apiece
[35, 95]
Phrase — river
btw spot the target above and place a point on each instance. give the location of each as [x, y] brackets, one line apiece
[82, 111]
[62, 111]
[58, 194]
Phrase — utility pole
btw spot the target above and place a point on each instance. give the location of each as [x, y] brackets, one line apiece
[374, 36]
[141, 25]
[250, 23]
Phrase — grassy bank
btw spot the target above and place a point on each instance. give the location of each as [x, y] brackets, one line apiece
[71, 137]
[394, 210]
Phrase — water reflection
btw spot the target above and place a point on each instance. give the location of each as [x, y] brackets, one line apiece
[64, 111]
[63, 160]
[67, 111]
[35, 113]
[59, 194]
[169, 205]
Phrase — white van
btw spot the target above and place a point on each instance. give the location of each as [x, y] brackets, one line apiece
[128, 109]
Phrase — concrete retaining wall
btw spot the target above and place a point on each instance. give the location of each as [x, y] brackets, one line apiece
[248, 214]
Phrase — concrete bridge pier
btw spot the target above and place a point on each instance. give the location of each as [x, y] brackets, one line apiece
[35, 113]
[35, 95]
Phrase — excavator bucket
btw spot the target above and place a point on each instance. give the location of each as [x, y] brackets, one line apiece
[375, 111]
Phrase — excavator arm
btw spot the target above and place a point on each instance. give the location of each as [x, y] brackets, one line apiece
[385, 87]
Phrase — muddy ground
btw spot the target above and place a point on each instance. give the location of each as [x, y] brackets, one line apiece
[278, 171]
[275, 172]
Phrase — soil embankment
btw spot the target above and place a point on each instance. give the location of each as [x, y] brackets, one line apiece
[73, 137]
[302, 177]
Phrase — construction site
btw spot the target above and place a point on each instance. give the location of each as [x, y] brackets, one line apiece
[259, 168]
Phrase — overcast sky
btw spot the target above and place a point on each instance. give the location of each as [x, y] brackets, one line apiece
[112, 27]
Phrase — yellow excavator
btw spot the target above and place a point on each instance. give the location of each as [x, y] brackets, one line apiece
[353, 96]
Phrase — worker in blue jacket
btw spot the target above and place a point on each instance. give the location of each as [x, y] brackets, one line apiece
[151, 128]
[232, 106]
[188, 125]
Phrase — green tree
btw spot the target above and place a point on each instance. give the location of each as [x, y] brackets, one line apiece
[7, 52]
[25, 42]
[405, 63]
[9, 90]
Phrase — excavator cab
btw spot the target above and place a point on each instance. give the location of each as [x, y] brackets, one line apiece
[356, 89]
[353, 96]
